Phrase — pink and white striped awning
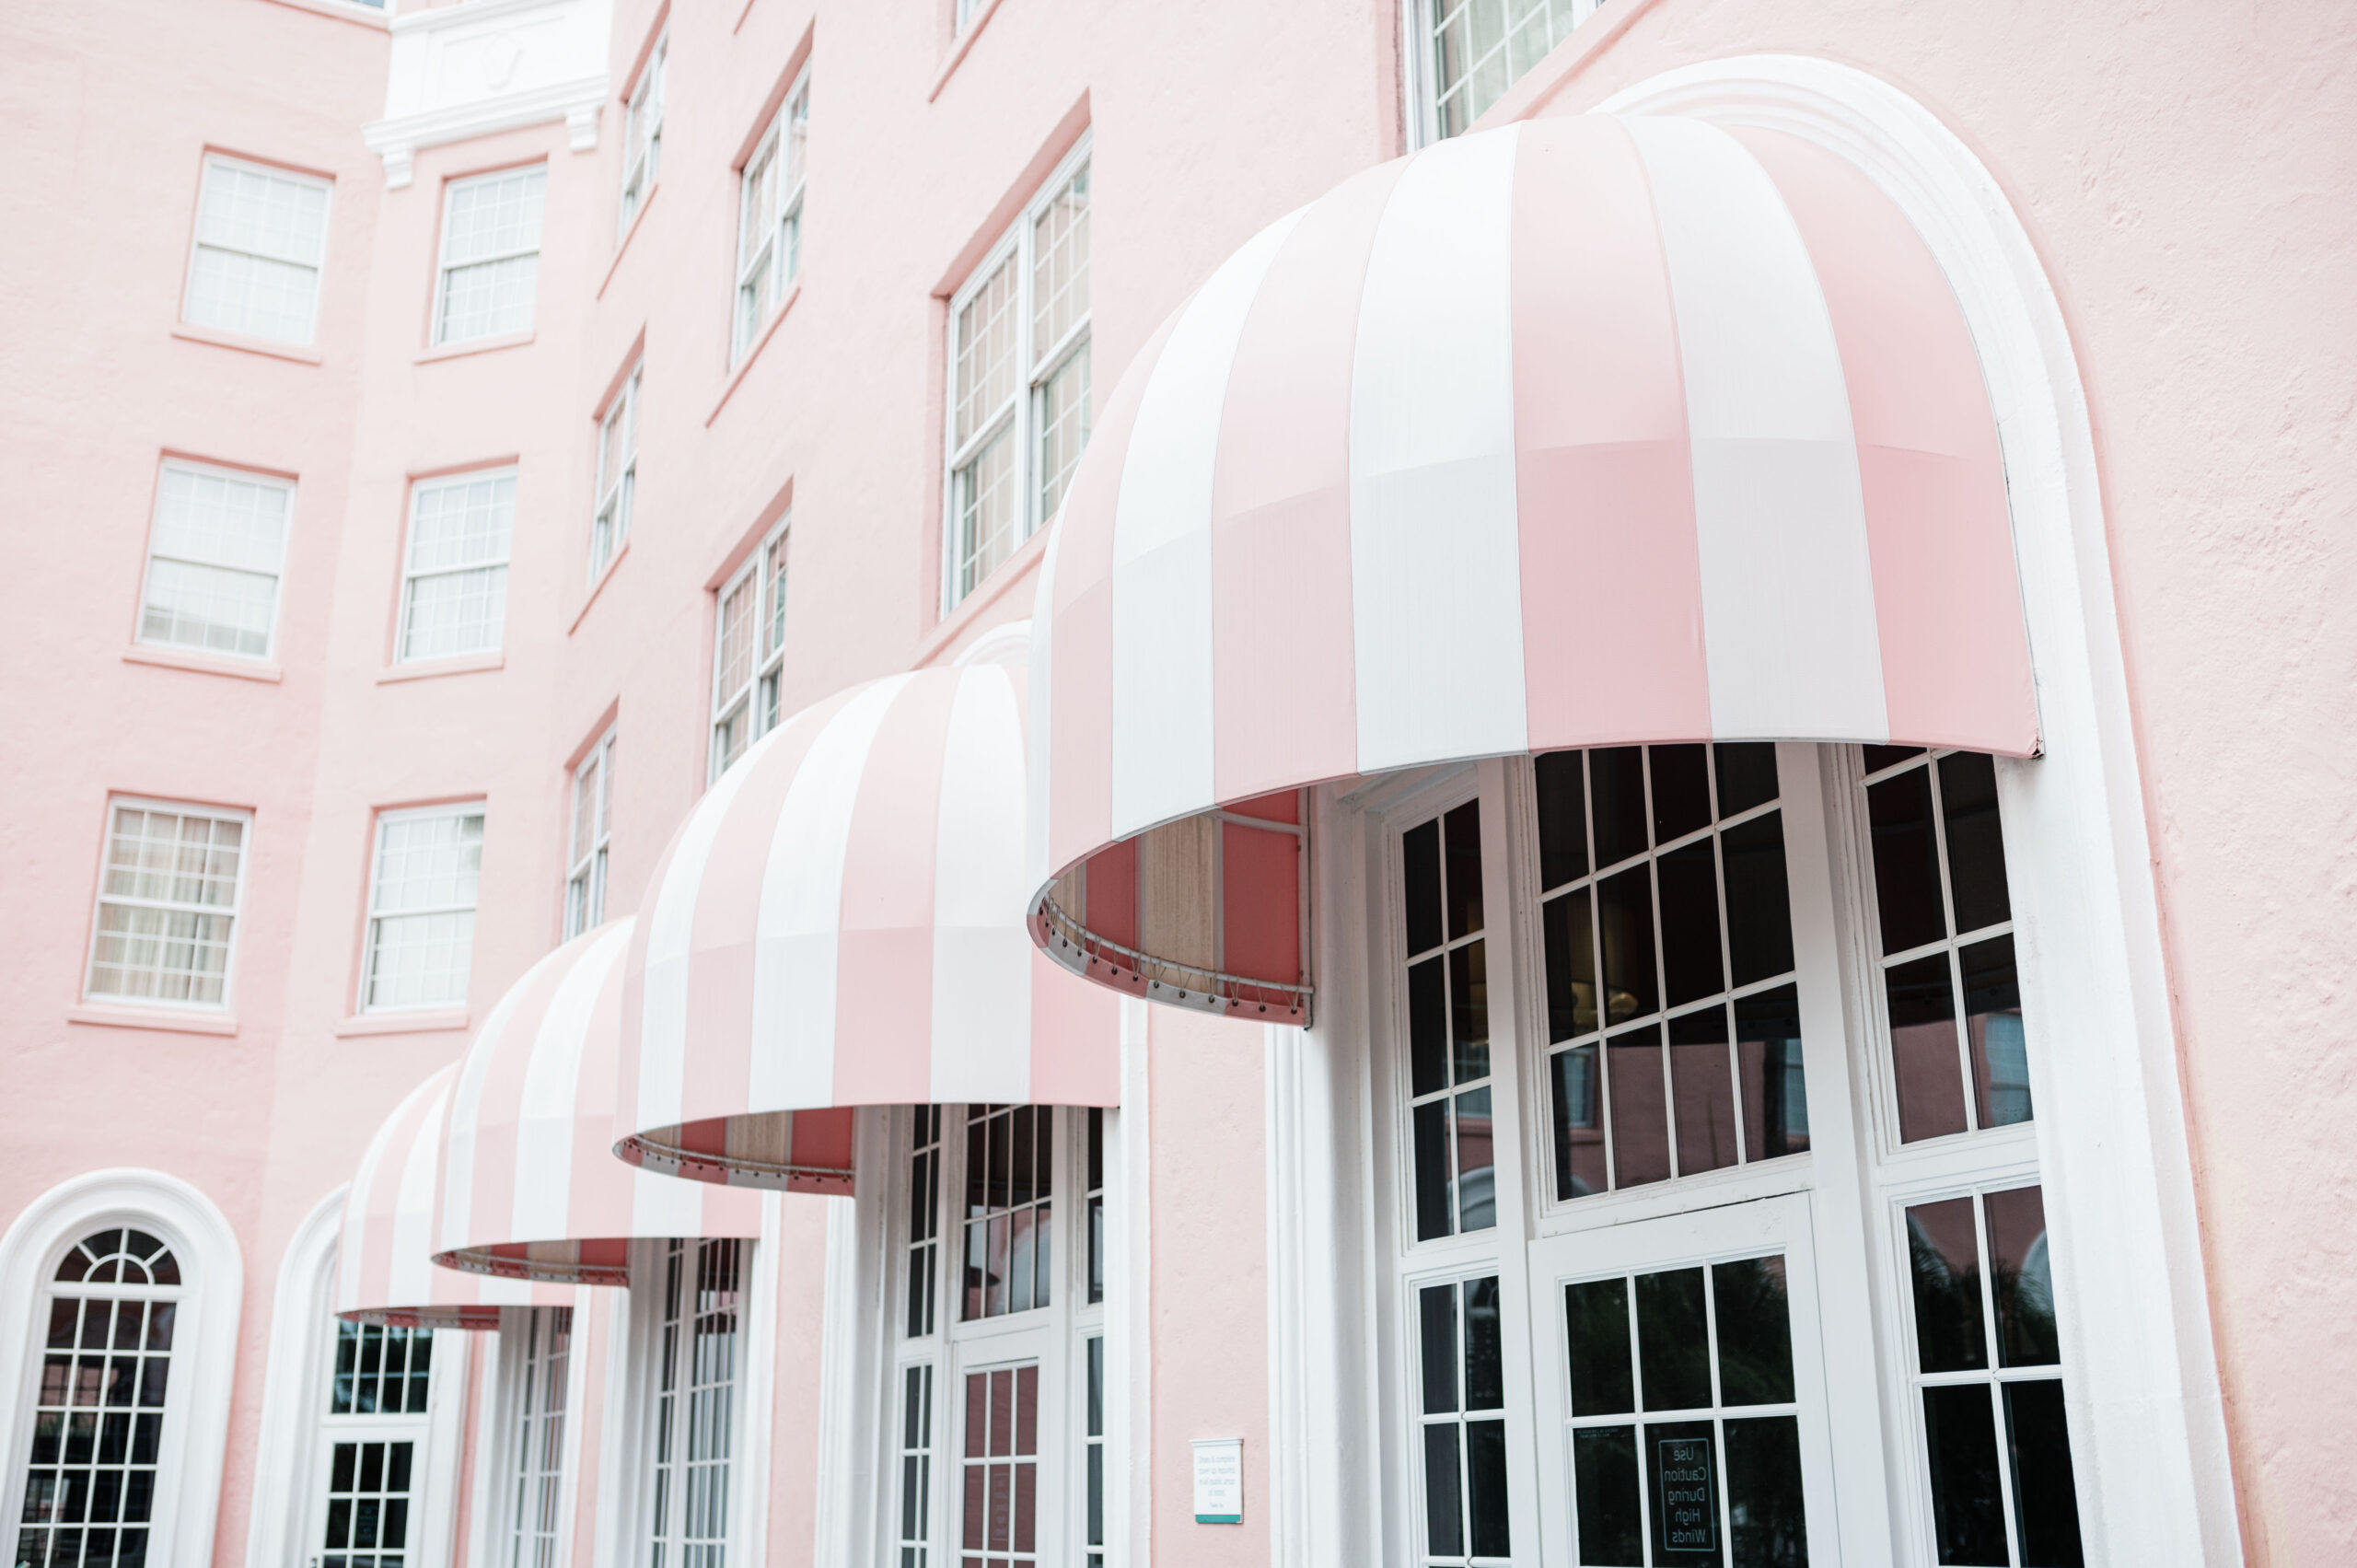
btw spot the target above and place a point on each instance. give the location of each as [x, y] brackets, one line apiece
[841, 922]
[530, 1187]
[385, 1271]
[1577, 431]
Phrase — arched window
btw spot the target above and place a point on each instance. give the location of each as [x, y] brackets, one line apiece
[90, 1479]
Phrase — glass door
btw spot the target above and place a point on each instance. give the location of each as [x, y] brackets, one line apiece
[1681, 1392]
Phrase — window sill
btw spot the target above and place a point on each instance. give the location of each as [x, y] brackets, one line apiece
[131, 1016]
[475, 346]
[1016, 568]
[965, 41]
[342, 11]
[457, 664]
[202, 663]
[422, 1020]
[191, 332]
[628, 234]
[598, 588]
[737, 377]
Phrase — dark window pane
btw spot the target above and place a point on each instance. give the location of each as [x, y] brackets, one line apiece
[1436, 1307]
[1640, 1119]
[1945, 1263]
[1673, 1340]
[1755, 1332]
[1907, 865]
[1617, 778]
[1993, 1027]
[1579, 1136]
[1595, 1327]
[1432, 1171]
[1626, 914]
[1686, 1491]
[1681, 791]
[1000, 1158]
[2046, 1504]
[1485, 1385]
[1767, 1526]
[1774, 1088]
[1419, 851]
[1485, 1464]
[1462, 828]
[1703, 1092]
[1968, 1516]
[1562, 819]
[1976, 840]
[1569, 922]
[1096, 1149]
[1746, 775]
[1881, 757]
[1604, 1490]
[1690, 968]
[2024, 1279]
[1759, 900]
[1477, 1185]
[1427, 1025]
[1922, 1048]
[1019, 1188]
[1469, 1007]
[1443, 1521]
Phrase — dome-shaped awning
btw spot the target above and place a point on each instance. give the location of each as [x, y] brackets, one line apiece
[530, 1187]
[840, 922]
[1580, 432]
[385, 1272]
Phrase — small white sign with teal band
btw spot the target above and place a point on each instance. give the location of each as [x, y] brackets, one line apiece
[1219, 1481]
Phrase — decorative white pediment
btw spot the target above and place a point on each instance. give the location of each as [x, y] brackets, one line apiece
[488, 65]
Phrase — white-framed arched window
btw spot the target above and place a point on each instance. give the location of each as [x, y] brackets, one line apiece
[119, 1298]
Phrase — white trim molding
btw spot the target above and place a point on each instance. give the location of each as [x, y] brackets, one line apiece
[458, 72]
[287, 1448]
[205, 1349]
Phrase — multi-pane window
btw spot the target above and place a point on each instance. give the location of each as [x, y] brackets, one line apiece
[1095, 1196]
[538, 1481]
[490, 254]
[1092, 1537]
[1944, 918]
[769, 215]
[374, 1435]
[1479, 48]
[98, 1414]
[617, 473]
[1019, 381]
[593, 826]
[454, 576]
[642, 136]
[1673, 1018]
[214, 554]
[916, 1534]
[924, 1220]
[1685, 1435]
[966, 10]
[1450, 1115]
[999, 1512]
[1461, 1414]
[1988, 1365]
[422, 908]
[748, 653]
[697, 1349]
[1009, 1208]
[260, 236]
[167, 904]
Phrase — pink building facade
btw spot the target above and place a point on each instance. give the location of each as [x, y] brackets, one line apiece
[1584, 1064]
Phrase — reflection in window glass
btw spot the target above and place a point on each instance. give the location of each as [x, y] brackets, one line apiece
[1450, 1114]
[1462, 1423]
[1000, 1507]
[1009, 1210]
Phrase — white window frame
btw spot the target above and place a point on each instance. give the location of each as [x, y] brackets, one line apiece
[278, 571]
[758, 703]
[412, 576]
[628, 1468]
[1418, 20]
[642, 136]
[416, 1428]
[778, 253]
[319, 264]
[615, 494]
[445, 266]
[505, 1434]
[476, 807]
[236, 909]
[585, 864]
[1036, 365]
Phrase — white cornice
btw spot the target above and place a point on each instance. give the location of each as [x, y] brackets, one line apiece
[484, 66]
